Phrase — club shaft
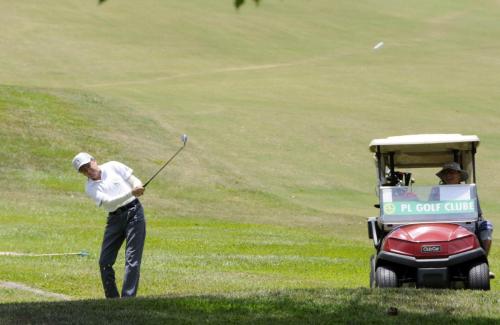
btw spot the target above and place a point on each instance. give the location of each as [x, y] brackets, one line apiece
[165, 165]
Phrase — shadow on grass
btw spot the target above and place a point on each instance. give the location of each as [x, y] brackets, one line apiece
[311, 306]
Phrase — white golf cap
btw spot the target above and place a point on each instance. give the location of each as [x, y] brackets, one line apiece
[81, 159]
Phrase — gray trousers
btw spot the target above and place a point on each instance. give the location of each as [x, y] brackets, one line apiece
[127, 223]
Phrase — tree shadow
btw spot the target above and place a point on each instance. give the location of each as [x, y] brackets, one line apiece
[300, 306]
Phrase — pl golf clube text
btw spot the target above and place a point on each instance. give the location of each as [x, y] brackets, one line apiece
[434, 207]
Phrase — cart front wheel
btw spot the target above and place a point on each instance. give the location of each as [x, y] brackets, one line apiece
[385, 277]
[479, 277]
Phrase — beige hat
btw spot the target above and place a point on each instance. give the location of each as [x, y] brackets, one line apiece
[81, 159]
[453, 166]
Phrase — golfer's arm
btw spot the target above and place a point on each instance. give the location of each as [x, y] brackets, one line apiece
[134, 182]
[111, 202]
[108, 202]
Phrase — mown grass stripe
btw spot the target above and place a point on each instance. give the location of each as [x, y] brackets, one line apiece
[20, 286]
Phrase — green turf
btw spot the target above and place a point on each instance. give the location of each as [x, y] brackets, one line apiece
[280, 103]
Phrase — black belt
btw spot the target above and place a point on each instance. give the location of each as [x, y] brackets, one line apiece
[125, 207]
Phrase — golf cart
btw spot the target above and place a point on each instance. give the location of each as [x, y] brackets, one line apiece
[426, 235]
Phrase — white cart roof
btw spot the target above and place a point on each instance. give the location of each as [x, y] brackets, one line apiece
[424, 143]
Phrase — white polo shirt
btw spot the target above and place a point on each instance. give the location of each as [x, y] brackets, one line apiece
[113, 190]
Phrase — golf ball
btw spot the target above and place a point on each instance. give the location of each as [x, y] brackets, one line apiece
[378, 46]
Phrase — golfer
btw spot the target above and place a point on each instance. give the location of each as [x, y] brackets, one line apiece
[113, 187]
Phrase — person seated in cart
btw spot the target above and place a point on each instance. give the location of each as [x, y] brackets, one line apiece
[452, 174]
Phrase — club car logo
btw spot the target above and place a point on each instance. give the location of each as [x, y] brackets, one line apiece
[431, 249]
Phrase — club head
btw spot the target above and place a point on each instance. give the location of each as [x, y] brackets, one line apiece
[184, 138]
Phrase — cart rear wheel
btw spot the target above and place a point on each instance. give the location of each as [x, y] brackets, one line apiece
[479, 277]
[372, 271]
[386, 277]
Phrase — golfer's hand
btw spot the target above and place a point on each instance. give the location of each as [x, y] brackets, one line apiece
[138, 191]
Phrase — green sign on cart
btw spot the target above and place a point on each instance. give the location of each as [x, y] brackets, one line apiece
[432, 207]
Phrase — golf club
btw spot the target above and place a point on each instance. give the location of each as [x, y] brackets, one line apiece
[184, 139]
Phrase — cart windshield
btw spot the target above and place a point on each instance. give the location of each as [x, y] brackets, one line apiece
[443, 203]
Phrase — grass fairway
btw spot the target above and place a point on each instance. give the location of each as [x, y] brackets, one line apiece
[262, 216]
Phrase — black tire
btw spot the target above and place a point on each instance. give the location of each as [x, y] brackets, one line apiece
[479, 277]
[372, 271]
[386, 277]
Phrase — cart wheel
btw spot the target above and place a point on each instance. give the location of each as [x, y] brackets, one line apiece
[386, 278]
[479, 277]
[372, 271]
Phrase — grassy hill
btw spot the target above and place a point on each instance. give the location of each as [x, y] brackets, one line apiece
[280, 103]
